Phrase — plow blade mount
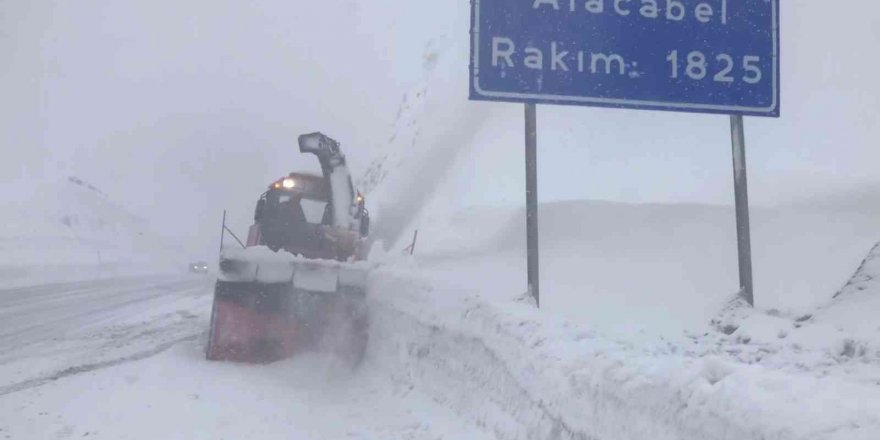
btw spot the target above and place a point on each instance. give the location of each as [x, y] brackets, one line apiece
[268, 308]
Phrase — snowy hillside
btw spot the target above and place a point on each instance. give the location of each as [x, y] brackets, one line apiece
[71, 229]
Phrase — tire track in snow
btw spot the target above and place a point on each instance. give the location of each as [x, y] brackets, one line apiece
[21, 295]
[33, 322]
[71, 371]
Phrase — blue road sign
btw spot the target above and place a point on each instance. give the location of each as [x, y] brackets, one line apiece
[706, 56]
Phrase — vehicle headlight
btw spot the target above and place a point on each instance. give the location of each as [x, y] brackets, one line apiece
[288, 183]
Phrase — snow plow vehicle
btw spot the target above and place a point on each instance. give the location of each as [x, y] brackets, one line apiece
[300, 281]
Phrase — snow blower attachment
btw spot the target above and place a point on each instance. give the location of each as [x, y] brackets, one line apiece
[299, 284]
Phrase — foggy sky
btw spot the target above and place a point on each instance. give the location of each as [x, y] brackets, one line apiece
[180, 109]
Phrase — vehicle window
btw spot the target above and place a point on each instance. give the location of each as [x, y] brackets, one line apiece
[314, 210]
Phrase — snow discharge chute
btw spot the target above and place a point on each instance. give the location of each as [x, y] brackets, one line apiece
[299, 284]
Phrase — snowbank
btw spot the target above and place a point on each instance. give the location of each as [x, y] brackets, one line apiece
[654, 347]
[523, 374]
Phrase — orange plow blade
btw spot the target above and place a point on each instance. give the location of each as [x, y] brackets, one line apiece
[252, 323]
[273, 307]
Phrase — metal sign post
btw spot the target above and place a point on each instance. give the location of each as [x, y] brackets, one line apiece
[226, 229]
[532, 202]
[222, 231]
[698, 56]
[741, 192]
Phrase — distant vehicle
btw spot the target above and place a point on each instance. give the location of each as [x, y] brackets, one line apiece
[198, 267]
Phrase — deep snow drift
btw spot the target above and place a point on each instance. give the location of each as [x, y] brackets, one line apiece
[526, 374]
[639, 335]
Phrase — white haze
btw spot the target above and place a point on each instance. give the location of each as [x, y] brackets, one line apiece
[178, 110]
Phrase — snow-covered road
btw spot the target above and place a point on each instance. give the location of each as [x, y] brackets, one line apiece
[54, 330]
[123, 358]
[39, 313]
